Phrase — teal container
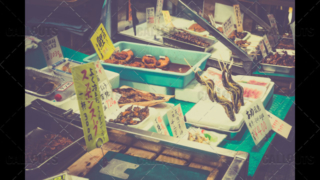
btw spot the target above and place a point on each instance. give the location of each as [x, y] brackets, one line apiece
[152, 76]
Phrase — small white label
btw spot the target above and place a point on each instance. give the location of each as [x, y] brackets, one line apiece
[263, 49]
[150, 17]
[176, 120]
[162, 57]
[228, 26]
[116, 96]
[279, 126]
[213, 22]
[65, 86]
[149, 55]
[160, 126]
[126, 50]
[52, 50]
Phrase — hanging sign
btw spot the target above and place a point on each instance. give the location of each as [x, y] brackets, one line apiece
[237, 14]
[176, 121]
[160, 126]
[279, 126]
[52, 50]
[257, 121]
[90, 105]
[228, 27]
[102, 43]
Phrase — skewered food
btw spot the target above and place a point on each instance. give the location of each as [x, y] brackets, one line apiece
[129, 95]
[277, 59]
[163, 62]
[285, 44]
[149, 61]
[232, 90]
[49, 145]
[186, 37]
[40, 85]
[242, 43]
[238, 86]
[132, 116]
[196, 27]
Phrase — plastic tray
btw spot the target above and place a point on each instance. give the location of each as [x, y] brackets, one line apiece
[151, 76]
[57, 67]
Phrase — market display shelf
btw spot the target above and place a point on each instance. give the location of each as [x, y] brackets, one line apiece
[152, 76]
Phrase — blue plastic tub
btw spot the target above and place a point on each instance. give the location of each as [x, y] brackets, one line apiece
[152, 76]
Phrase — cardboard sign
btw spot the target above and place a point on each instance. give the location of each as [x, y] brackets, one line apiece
[213, 22]
[176, 120]
[158, 12]
[102, 43]
[109, 103]
[237, 13]
[273, 22]
[228, 27]
[90, 105]
[166, 17]
[52, 50]
[257, 121]
[263, 49]
[279, 126]
[160, 126]
[150, 17]
[266, 42]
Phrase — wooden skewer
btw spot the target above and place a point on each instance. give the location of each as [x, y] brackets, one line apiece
[231, 63]
[222, 62]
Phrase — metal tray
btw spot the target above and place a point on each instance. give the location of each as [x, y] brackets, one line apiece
[38, 73]
[277, 68]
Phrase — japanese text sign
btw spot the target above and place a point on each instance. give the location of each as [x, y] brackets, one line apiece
[263, 49]
[279, 126]
[90, 105]
[109, 103]
[102, 43]
[228, 26]
[158, 11]
[257, 121]
[166, 17]
[237, 14]
[176, 121]
[52, 50]
[213, 22]
[267, 43]
[160, 126]
[273, 22]
[150, 17]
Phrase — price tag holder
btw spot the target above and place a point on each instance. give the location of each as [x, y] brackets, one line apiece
[52, 50]
[102, 44]
[176, 121]
[213, 22]
[279, 126]
[263, 49]
[228, 27]
[237, 14]
[166, 17]
[150, 17]
[257, 121]
[160, 126]
[90, 105]
[267, 43]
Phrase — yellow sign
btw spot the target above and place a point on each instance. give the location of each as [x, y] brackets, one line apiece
[237, 13]
[102, 43]
[90, 105]
[166, 17]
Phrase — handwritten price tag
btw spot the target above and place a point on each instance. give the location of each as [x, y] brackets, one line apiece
[279, 126]
[273, 22]
[150, 17]
[263, 49]
[160, 126]
[257, 121]
[158, 12]
[228, 27]
[52, 50]
[166, 17]
[237, 13]
[176, 120]
[102, 43]
[213, 22]
[90, 105]
[267, 43]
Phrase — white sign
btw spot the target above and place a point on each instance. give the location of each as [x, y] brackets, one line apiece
[52, 50]
[176, 121]
[158, 12]
[109, 103]
[267, 43]
[65, 86]
[213, 22]
[279, 126]
[273, 22]
[257, 121]
[116, 96]
[228, 26]
[150, 17]
[237, 13]
[160, 126]
[263, 49]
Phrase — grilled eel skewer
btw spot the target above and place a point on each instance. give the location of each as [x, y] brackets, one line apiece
[233, 92]
[238, 86]
[226, 104]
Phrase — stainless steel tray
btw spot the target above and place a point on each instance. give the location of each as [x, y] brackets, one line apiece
[277, 68]
[39, 73]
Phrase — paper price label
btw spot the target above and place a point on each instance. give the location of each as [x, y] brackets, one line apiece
[166, 17]
[237, 13]
[158, 12]
[160, 126]
[228, 27]
[257, 121]
[102, 43]
[90, 105]
[150, 17]
[52, 50]
[65, 86]
[263, 49]
[176, 120]
[273, 22]
[279, 126]
[267, 43]
[213, 22]
[116, 96]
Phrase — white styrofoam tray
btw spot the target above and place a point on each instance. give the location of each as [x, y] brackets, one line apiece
[218, 136]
